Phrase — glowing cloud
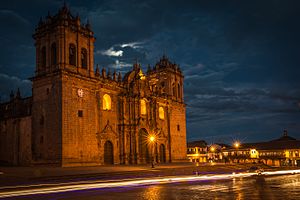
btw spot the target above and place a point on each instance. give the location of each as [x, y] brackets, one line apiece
[111, 52]
[133, 45]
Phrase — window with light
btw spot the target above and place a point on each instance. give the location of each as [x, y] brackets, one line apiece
[143, 107]
[161, 113]
[106, 102]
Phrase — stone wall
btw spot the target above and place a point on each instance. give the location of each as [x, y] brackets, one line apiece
[79, 144]
[178, 132]
[15, 141]
[46, 120]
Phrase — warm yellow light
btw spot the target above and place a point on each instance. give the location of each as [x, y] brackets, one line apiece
[287, 154]
[212, 149]
[142, 76]
[254, 153]
[151, 138]
[236, 144]
[143, 107]
[161, 113]
[106, 102]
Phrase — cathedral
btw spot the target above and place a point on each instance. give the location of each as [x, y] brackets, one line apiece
[80, 115]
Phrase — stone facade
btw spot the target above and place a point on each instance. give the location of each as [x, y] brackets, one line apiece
[15, 131]
[83, 117]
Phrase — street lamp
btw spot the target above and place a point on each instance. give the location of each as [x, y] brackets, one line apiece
[152, 141]
[236, 144]
[152, 138]
[212, 157]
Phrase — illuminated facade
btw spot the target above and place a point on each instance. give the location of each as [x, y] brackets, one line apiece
[79, 116]
[197, 151]
[284, 151]
[200, 152]
[215, 152]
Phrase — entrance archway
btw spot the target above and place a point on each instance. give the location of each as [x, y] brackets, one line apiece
[108, 153]
[144, 151]
[162, 153]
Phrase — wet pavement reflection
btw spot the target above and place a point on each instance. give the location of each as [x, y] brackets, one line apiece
[255, 187]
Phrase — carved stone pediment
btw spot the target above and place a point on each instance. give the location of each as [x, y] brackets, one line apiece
[107, 133]
[108, 128]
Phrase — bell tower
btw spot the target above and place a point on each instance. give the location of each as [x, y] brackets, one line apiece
[166, 82]
[64, 48]
[63, 43]
[169, 79]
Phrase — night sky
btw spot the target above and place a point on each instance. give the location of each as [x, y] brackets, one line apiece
[240, 59]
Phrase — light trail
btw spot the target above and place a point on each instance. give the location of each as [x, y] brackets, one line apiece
[74, 186]
[281, 172]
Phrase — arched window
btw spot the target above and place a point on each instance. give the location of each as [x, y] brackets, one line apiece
[143, 107]
[161, 113]
[43, 57]
[174, 91]
[84, 58]
[53, 54]
[106, 102]
[179, 91]
[72, 54]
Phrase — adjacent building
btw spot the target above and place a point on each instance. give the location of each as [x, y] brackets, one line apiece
[215, 152]
[197, 151]
[80, 115]
[284, 151]
[201, 152]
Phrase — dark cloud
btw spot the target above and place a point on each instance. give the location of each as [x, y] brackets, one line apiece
[240, 59]
[12, 83]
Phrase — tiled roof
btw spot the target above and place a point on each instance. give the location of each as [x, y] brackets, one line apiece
[287, 144]
[200, 143]
[284, 142]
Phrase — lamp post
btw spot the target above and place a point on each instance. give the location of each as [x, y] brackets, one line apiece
[212, 149]
[152, 141]
[237, 145]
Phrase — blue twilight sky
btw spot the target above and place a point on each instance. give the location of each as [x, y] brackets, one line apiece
[241, 59]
